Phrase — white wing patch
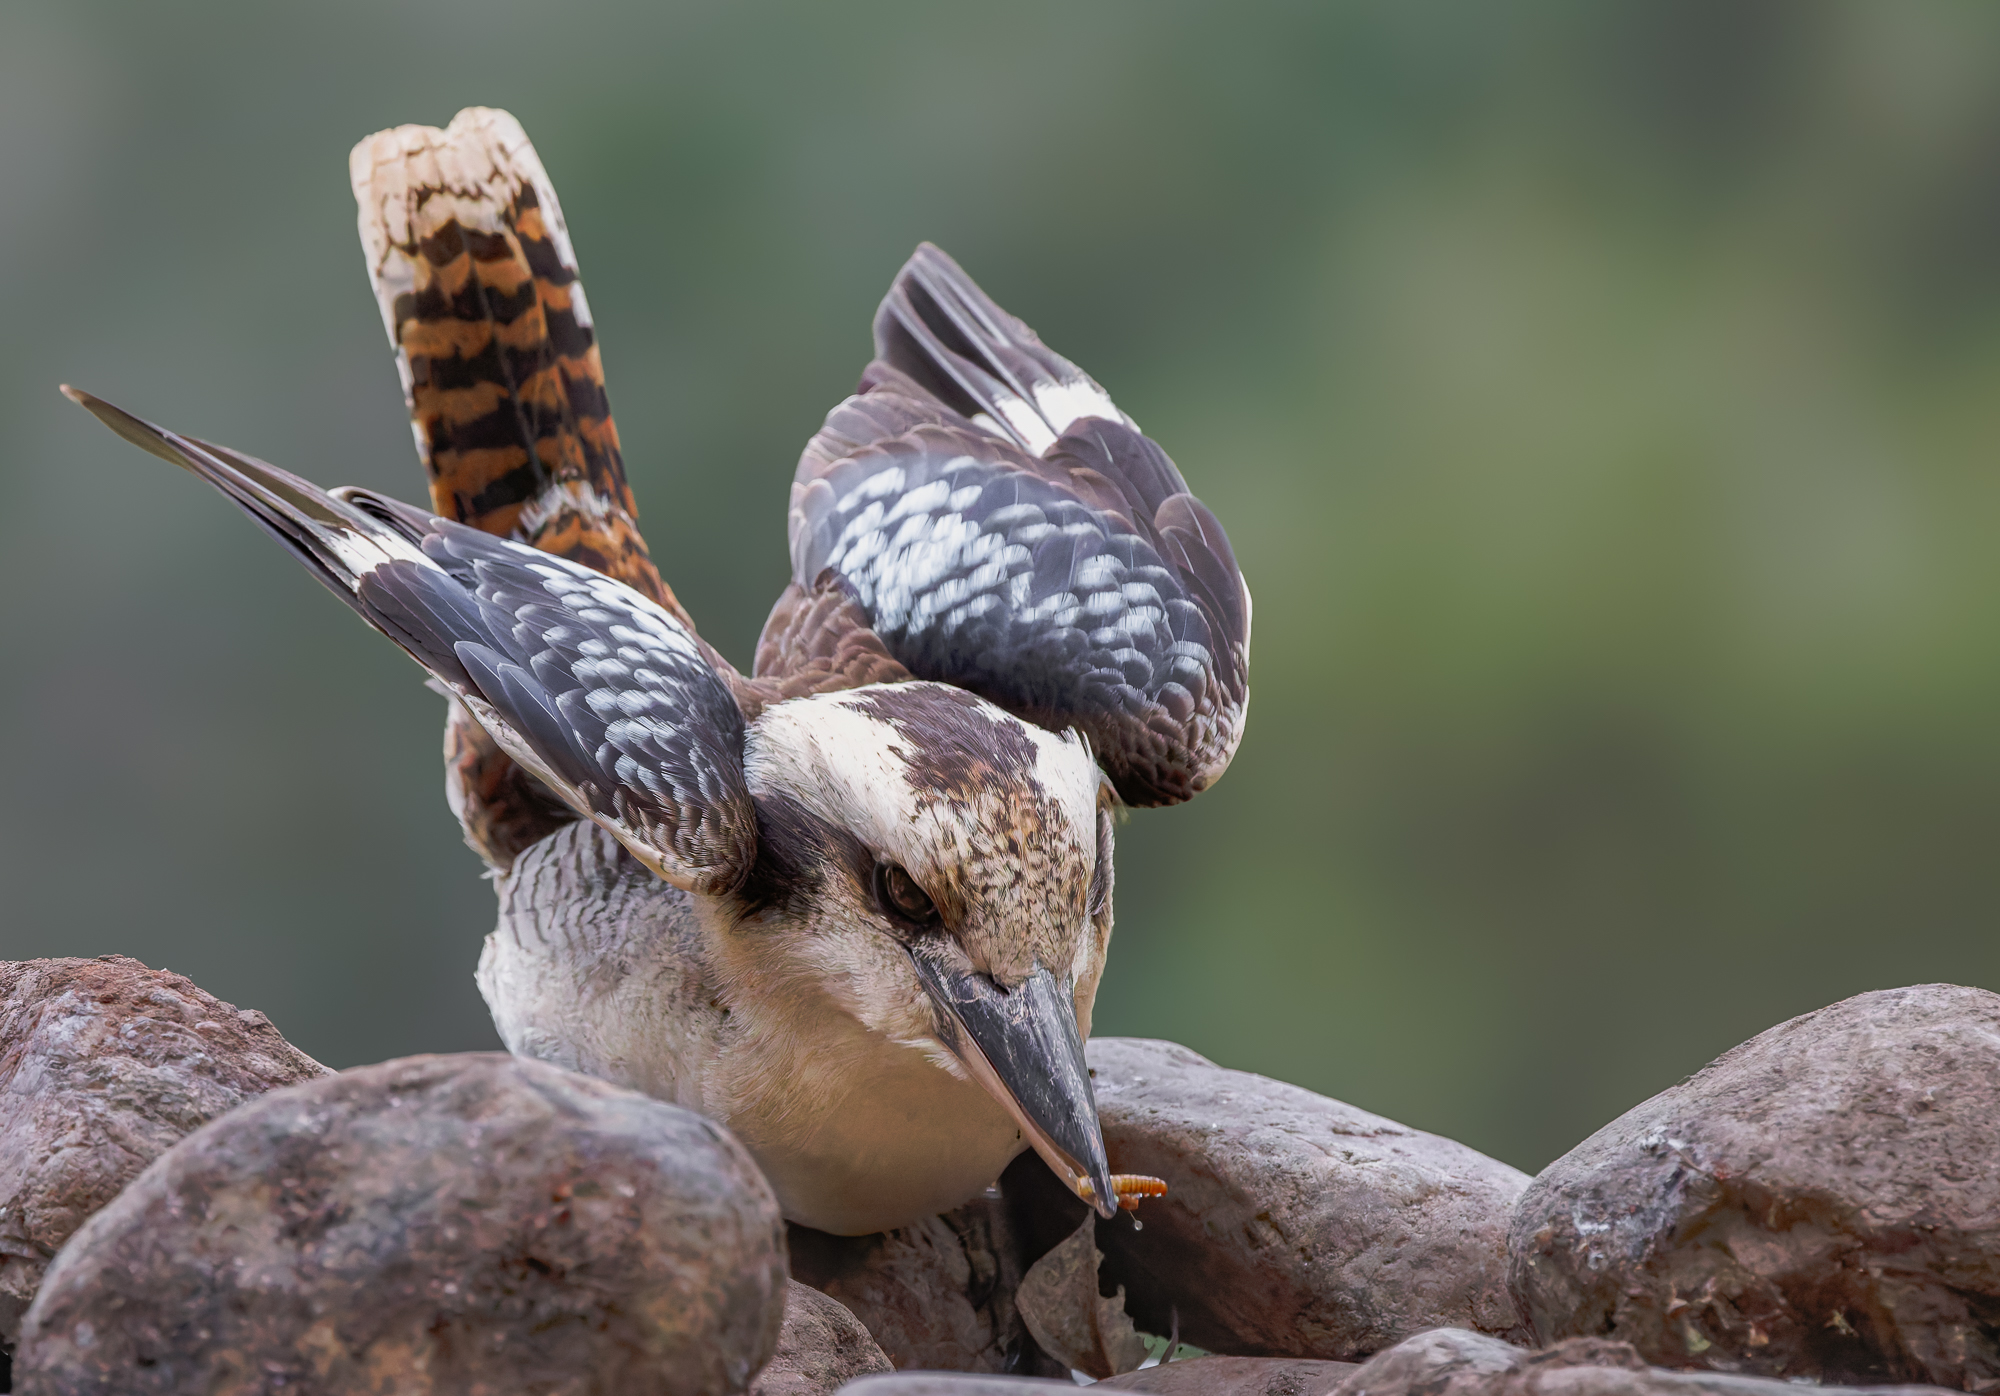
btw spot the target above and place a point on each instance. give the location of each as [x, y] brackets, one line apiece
[1065, 404]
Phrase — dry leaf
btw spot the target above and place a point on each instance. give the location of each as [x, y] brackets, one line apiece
[1058, 1300]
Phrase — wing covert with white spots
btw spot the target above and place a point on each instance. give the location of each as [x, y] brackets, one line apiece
[614, 696]
[600, 691]
[1008, 530]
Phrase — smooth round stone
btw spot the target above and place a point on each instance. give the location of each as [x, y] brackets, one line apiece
[448, 1224]
[821, 1348]
[1819, 1203]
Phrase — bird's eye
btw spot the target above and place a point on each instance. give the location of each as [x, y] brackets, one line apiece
[900, 896]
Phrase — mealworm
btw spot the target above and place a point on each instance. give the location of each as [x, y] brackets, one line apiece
[1130, 1188]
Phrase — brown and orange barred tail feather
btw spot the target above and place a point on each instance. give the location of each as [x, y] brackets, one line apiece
[477, 282]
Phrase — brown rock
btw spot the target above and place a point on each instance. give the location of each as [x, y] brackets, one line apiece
[939, 1294]
[104, 1065]
[1295, 1226]
[820, 1348]
[1453, 1362]
[1819, 1202]
[948, 1384]
[465, 1224]
[1236, 1376]
[1425, 1362]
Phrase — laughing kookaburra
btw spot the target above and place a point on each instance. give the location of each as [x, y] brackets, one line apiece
[854, 905]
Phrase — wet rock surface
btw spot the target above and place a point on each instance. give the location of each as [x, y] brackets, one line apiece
[952, 1384]
[1819, 1202]
[1296, 1226]
[104, 1065]
[1453, 1362]
[1236, 1376]
[438, 1224]
[821, 1347]
[937, 1295]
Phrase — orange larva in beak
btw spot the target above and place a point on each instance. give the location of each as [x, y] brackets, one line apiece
[1131, 1189]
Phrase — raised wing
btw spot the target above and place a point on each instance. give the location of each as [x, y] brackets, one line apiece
[1007, 529]
[600, 691]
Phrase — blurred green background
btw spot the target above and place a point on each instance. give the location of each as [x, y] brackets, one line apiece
[1603, 399]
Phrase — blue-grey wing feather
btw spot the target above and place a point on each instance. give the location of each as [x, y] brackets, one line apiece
[610, 691]
[599, 689]
[1005, 528]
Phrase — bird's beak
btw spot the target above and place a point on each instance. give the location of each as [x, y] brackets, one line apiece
[1022, 1045]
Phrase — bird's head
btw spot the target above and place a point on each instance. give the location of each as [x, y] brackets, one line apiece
[941, 870]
